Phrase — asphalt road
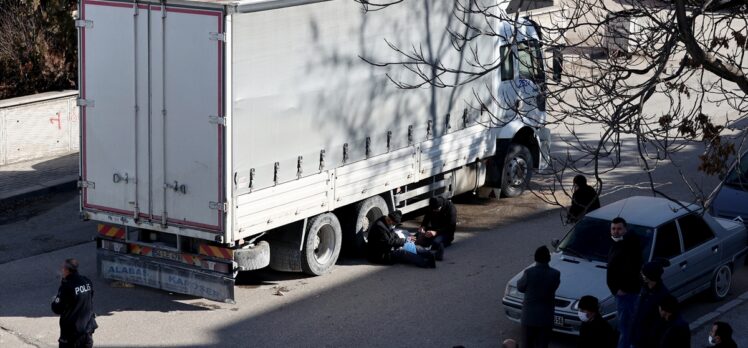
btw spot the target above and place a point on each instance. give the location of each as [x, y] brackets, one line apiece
[459, 303]
[357, 305]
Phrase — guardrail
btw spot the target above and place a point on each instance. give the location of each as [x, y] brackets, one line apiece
[38, 126]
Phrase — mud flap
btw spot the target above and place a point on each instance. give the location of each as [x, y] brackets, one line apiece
[161, 275]
[544, 139]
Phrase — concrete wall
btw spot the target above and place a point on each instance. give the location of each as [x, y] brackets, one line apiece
[37, 126]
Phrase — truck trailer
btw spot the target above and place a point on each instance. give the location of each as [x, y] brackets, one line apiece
[223, 136]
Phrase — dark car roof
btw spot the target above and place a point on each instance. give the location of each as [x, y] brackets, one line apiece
[644, 211]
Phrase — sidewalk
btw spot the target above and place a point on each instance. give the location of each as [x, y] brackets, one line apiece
[37, 177]
[9, 339]
[734, 312]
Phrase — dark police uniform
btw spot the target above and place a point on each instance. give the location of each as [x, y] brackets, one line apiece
[74, 304]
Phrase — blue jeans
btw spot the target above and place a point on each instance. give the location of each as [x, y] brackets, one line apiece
[625, 305]
[422, 258]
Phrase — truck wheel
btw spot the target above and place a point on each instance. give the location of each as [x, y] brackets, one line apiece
[365, 213]
[252, 258]
[721, 282]
[516, 171]
[321, 244]
[285, 257]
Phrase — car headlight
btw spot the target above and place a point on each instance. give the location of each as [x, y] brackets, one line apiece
[511, 291]
[575, 306]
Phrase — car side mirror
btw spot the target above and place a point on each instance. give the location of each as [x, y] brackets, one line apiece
[555, 243]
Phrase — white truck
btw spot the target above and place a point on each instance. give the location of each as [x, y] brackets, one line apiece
[220, 136]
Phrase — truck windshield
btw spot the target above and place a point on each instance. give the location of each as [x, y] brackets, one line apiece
[590, 239]
[738, 176]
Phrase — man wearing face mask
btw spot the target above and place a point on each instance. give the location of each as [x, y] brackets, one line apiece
[647, 315]
[595, 331]
[721, 336]
[624, 281]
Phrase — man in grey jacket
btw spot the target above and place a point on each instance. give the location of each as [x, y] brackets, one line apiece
[539, 284]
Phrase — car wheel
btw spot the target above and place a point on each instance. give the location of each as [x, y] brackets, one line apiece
[721, 282]
[516, 171]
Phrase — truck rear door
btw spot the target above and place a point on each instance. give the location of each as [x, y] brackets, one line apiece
[151, 96]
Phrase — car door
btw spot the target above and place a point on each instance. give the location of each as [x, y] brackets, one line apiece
[700, 249]
[668, 246]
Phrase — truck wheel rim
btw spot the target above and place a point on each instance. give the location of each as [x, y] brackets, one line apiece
[722, 281]
[324, 244]
[517, 171]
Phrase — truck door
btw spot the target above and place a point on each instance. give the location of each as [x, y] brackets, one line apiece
[109, 107]
[151, 96]
[186, 134]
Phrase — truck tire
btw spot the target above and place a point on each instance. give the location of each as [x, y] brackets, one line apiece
[516, 171]
[721, 282]
[252, 258]
[364, 214]
[321, 244]
[285, 257]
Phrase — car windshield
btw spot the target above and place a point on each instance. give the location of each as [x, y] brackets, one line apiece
[738, 176]
[590, 239]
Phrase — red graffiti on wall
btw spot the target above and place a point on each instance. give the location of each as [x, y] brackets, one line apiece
[57, 119]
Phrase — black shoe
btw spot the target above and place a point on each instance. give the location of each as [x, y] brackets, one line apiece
[439, 254]
[430, 261]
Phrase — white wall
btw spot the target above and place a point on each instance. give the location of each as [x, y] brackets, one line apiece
[37, 126]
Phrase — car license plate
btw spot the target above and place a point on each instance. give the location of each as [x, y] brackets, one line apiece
[558, 320]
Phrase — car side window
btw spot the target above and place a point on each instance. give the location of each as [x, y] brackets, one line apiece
[667, 242]
[694, 231]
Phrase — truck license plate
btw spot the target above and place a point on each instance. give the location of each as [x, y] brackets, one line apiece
[558, 320]
[166, 254]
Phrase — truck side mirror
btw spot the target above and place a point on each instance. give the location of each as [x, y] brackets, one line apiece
[558, 60]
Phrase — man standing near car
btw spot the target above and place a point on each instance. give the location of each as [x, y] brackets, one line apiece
[647, 315]
[539, 284]
[673, 331]
[623, 276]
[74, 304]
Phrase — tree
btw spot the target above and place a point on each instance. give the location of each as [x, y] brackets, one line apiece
[663, 74]
[37, 46]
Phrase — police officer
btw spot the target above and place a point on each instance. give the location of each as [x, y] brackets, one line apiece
[74, 304]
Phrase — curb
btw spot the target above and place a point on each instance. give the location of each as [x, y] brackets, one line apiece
[65, 184]
[709, 317]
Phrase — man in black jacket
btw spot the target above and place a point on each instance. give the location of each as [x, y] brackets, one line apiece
[74, 304]
[674, 331]
[595, 331]
[438, 226]
[624, 281]
[583, 200]
[647, 314]
[539, 284]
[386, 247]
